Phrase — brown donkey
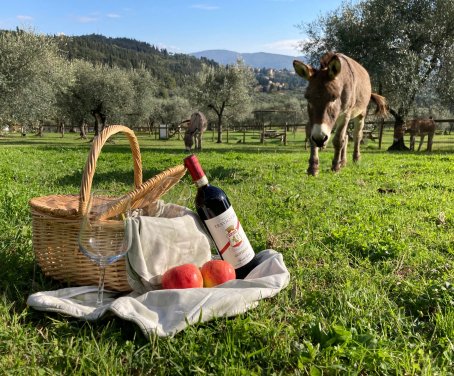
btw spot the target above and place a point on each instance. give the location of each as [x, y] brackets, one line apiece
[197, 124]
[338, 92]
[421, 128]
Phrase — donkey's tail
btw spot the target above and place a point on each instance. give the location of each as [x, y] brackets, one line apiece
[382, 105]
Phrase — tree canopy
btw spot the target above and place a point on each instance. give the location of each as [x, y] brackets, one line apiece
[227, 91]
[32, 77]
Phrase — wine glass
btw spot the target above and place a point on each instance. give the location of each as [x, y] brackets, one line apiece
[105, 240]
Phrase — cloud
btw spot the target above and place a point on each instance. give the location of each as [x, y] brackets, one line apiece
[204, 6]
[87, 19]
[284, 46]
[22, 17]
[113, 15]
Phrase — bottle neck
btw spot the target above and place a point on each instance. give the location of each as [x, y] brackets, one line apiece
[201, 182]
[198, 176]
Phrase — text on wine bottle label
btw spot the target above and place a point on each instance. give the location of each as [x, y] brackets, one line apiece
[230, 238]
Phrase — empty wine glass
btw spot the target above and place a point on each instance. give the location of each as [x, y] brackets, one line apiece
[105, 240]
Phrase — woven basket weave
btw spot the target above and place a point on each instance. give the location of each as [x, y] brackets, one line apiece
[56, 219]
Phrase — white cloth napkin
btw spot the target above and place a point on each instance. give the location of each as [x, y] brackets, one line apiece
[174, 237]
[166, 312]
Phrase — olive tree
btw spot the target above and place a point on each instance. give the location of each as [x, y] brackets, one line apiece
[227, 91]
[445, 80]
[401, 43]
[170, 111]
[144, 100]
[101, 92]
[32, 77]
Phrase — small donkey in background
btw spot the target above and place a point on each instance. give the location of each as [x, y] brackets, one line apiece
[338, 92]
[197, 124]
[421, 128]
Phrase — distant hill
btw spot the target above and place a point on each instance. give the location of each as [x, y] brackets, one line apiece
[255, 60]
[170, 69]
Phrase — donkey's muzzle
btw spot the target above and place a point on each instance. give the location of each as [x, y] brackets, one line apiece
[320, 142]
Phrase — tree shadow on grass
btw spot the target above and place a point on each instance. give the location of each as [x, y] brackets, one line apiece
[113, 178]
[22, 277]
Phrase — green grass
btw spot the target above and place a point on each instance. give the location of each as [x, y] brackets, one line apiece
[370, 251]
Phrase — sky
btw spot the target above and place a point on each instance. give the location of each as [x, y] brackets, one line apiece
[180, 26]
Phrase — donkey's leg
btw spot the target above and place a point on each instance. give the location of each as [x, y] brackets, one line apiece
[343, 153]
[196, 141]
[412, 141]
[421, 141]
[430, 139]
[199, 139]
[340, 142]
[358, 136]
[313, 160]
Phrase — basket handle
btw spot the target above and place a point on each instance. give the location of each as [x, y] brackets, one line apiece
[90, 165]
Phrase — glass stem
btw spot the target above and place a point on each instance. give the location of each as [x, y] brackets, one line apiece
[102, 274]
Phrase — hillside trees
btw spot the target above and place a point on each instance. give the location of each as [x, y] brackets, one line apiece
[169, 69]
[401, 43]
[227, 91]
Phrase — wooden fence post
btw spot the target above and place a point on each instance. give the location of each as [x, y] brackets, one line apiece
[285, 134]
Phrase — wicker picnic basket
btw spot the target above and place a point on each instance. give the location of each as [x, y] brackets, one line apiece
[56, 219]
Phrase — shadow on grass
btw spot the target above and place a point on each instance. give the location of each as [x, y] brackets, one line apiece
[112, 177]
[169, 146]
[21, 277]
[126, 177]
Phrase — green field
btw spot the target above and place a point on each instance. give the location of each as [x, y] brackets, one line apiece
[370, 251]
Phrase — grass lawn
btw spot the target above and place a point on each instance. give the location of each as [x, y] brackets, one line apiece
[370, 251]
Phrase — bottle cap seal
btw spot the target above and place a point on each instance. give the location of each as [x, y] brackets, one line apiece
[194, 168]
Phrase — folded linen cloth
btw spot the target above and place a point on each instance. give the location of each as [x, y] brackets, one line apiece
[167, 312]
[174, 236]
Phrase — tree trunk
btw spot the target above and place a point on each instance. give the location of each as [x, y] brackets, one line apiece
[219, 141]
[97, 126]
[83, 133]
[399, 132]
[103, 121]
[40, 130]
[100, 120]
[62, 129]
[219, 114]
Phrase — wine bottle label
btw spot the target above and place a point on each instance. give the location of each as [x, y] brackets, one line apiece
[230, 238]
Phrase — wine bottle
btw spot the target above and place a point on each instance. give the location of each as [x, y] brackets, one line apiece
[218, 215]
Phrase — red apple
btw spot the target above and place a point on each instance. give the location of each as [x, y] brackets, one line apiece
[182, 277]
[215, 272]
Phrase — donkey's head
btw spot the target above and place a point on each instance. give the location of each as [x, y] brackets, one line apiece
[188, 140]
[323, 96]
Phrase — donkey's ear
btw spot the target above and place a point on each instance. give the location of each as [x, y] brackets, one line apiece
[334, 67]
[303, 70]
